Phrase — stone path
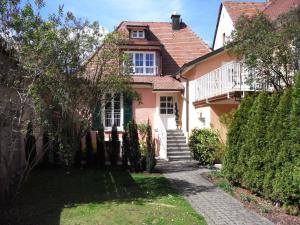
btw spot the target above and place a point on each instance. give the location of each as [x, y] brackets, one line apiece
[217, 207]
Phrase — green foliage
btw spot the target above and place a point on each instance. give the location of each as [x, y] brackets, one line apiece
[125, 148]
[225, 186]
[263, 146]
[254, 147]
[227, 118]
[30, 145]
[134, 153]
[271, 48]
[204, 143]
[89, 149]
[236, 138]
[100, 153]
[114, 148]
[150, 156]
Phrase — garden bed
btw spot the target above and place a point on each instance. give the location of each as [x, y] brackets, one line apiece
[106, 197]
[253, 202]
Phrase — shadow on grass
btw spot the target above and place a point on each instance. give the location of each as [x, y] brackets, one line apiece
[48, 192]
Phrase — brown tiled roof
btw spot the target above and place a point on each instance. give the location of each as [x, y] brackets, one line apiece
[237, 9]
[275, 8]
[179, 47]
[159, 83]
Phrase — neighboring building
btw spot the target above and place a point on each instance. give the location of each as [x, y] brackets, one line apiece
[215, 83]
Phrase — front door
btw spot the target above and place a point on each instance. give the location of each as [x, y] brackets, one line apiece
[167, 112]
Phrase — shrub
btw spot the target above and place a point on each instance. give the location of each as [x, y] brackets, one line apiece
[235, 139]
[100, 153]
[125, 148]
[30, 145]
[278, 133]
[89, 149]
[134, 153]
[204, 143]
[114, 146]
[150, 155]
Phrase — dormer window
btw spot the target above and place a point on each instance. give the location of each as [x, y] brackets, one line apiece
[137, 34]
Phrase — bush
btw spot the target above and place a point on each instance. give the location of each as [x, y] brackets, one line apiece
[235, 138]
[89, 149]
[125, 148]
[114, 146]
[100, 153]
[30, 145]
[134, 155]
[204, 143]
[264, 146]
[150, 155]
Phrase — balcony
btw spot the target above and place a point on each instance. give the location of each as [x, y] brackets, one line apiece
[227, 79]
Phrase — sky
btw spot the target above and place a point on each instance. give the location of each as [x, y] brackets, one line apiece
[199, 15]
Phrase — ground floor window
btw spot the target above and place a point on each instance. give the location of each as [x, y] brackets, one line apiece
[113, 110]
[166, 105]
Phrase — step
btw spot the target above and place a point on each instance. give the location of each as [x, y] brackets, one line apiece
[178, 158]
[178, 153]
[176, 138]
[177, 148]
[176, 144]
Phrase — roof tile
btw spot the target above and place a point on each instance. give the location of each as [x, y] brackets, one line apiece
[179, 47]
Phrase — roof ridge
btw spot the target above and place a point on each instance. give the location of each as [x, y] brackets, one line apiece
[138, 21]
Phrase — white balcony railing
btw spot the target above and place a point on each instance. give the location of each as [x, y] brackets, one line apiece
[228, 78]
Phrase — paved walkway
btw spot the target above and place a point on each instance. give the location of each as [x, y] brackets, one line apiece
[217, 207]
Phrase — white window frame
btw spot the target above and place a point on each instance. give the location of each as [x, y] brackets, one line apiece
[144, 62]
[139, 34]
[166, 107]
[120, 128]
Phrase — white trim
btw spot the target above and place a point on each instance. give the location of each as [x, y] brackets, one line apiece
[154, 67]
[137, 34]
[120, 128]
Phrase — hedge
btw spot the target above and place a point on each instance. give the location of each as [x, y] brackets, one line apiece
[263, 145]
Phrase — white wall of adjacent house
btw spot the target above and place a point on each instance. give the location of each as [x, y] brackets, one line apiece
[198, 117]
[224, 30]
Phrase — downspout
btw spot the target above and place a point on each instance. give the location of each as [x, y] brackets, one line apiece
[187, 101]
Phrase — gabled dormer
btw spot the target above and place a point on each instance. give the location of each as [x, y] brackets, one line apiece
[137, 32]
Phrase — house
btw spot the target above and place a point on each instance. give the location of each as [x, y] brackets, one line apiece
[214, 83]
[157, 50]
[182, 82]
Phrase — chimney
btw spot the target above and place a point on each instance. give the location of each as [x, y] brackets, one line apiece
[175, 21]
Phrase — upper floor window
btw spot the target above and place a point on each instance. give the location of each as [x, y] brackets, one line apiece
[142, 63]
[138, 34]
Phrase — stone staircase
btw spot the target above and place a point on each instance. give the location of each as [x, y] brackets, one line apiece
[177, 149]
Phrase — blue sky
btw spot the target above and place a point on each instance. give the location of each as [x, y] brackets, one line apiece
[200, 15]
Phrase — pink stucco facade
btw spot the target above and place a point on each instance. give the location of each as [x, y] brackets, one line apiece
[144, 110]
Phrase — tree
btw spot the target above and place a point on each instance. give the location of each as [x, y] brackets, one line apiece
[100, 154]
[89, 153]
[134, 153]
[235, 139]
[114, 148]
[286, 187]
[150, 155]
[269, 49]
[278, 133]
[64, 81]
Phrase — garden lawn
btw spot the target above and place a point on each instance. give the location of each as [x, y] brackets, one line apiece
[99, 197]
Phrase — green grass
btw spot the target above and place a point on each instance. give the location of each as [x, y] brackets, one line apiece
[88, 197]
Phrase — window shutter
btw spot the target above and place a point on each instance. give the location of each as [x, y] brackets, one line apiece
[96, 118]
[127, 110]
